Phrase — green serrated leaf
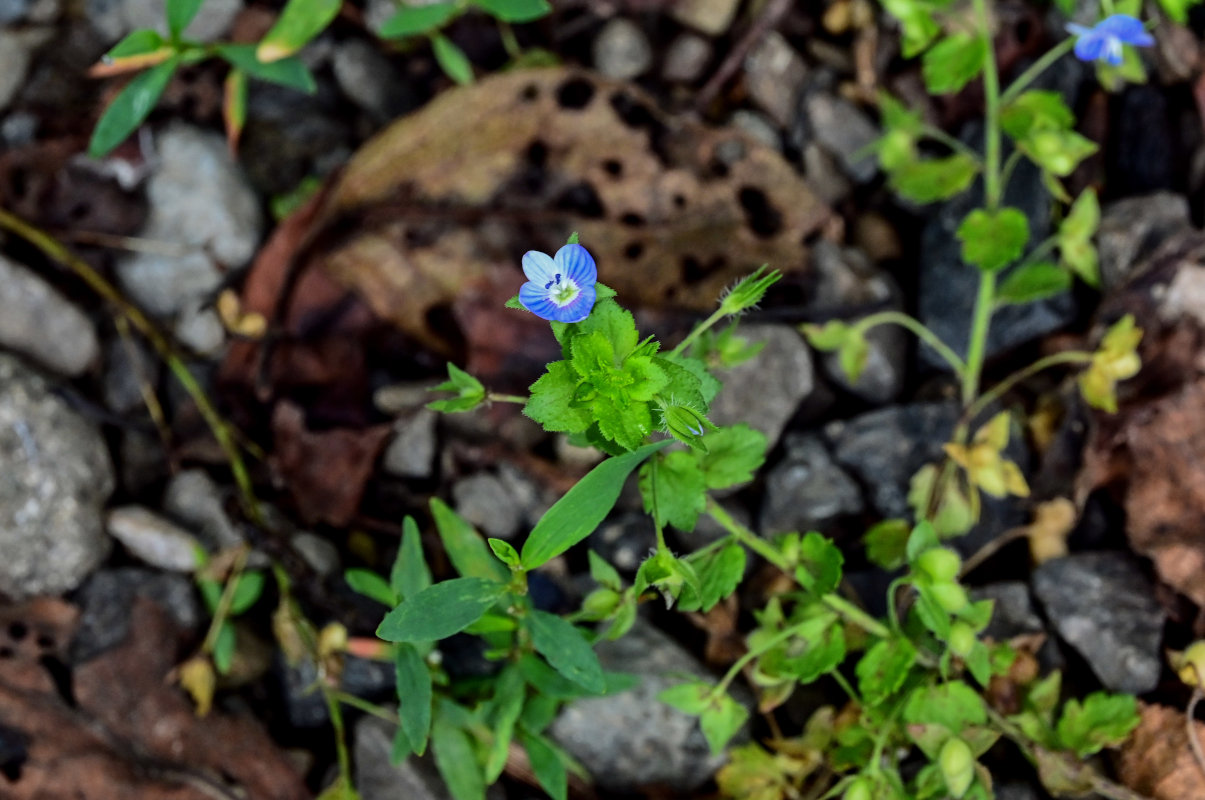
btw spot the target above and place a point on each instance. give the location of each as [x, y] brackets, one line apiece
[452, 60]
[673, 489]
[1031, 282]
[410, 574]
[131, 107]
[886, 542]
[689, 698]
[414, 695]
[290, 71]
[440, 610]
[466, 549]
[1101, 720]
[578, 513]
[931, 179]
[953, 62]
[882, 670]
[720, 722]
[411, 20]
[1035, 110]
[954, 705]
[719, 572]
[993, 240]
[372, 585]
[916, 22]
[820, 561]
[553, 402]
[516, 11]
[734, 454]
[1058, 152]
[566, 649]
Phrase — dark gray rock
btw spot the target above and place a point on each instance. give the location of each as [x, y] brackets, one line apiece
[631, 739]
[1104, 606]
[807, 490]
[16, 51]
[1014, 614]
[774, 77]
[290, 136]
[1131, 229]
[107, 597]
[115, 18]
[885, 448]
[948, 287]
[57, 475]
[370, 80]
[1146, 155]
[766, 391]
[843, 130]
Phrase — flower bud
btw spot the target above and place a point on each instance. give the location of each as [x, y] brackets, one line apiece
[749, 291]
[949, 595]
[957, 764]
[600, 603]
[941, 564]
[962, 639]
[858, 790]
[1192, 665]
[686, 425]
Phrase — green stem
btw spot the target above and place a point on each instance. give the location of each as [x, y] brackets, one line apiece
[1000, 389]
[893, 615]
[336, 715]
[855, 615]
[747, 537]
[844, 683]
[916, 327]
[227, 598]
[1010, 163]
[509, 42]
[363, 705]
[697, 332]
[766, 646]
[506, 398]
[985, 301]
[1035, 69]
[661, 546]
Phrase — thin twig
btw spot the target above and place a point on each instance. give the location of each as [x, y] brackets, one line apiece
[774, 11]
[991, 548]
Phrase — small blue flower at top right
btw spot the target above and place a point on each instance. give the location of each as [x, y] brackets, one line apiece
[1104, 39]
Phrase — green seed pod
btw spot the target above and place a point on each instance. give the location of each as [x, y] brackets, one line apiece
[949, 595]
[957, 764]
[600, 603]
[962, 639]
[858, 790]
[941, 564]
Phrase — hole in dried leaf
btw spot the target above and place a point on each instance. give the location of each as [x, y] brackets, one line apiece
[580, 198]
[632, 220]
[530, 92]
[764, 219]
[613, 167]
[13, 752]
[575, 93]
[633, 251]
[45, 641]
[679, 201]
[17, 631]
[537, 153]
[694, 270]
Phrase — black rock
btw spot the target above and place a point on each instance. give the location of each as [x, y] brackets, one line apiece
[108, 596]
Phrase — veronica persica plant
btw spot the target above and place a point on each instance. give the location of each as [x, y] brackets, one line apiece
[559, 288]
[1103, 41]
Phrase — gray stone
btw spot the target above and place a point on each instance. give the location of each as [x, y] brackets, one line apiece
[370, 80]
[411, 452]
[631, 739]
[19, 128]
[774, 75]
[1104, 606]
[846, 279]
[686, 58]
[885, 448]
[766, 391]
[378, 779]
[824, 176]
[107, 597]
[291, 136]
[1131, 229]
[153, 539]
[199, 328]
[711, 17]
[845, 131]
[625, 542]
[56, 478]
[1013, 613]
[488, 504]
[198, 199]
[758, 127]
[16, 52]
[807, 490]
[192, 498]
[38, 322]
[948, 287]
[115, 18]
[13, 10]
[622, 50]
[319, 553]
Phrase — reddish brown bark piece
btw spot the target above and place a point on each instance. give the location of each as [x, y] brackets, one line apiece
[1156, 760]
[325, 470]
[131, 734]
[1150, 454]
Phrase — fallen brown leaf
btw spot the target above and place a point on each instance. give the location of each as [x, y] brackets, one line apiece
[1156, 760]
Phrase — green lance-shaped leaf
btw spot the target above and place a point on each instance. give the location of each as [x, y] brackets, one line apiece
[410, 574]
[414, 695]
[566, 649]
[298, 23]
[289, 72]
[179, 14]
[131, 107]
[579, 512]
[412, 20]
[517, 11]
[466, 549]
[440, 610]
[457, 761]
[451, 59]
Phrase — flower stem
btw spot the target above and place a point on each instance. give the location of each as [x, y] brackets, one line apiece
[1000, 389]
[716, 316]
[916, 327]
[491, 397]
[746, 537]
[1035, 69]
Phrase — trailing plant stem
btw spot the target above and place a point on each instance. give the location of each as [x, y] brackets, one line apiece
[1004, 386]
[921, 332]
[699, 330]
[1035, 69]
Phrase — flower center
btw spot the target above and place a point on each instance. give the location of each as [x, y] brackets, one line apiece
[561, 291]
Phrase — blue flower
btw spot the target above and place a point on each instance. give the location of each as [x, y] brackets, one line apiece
[561, 288]
[1104, 39]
